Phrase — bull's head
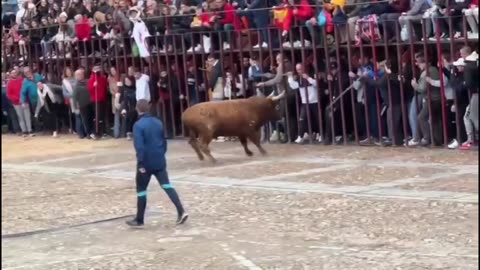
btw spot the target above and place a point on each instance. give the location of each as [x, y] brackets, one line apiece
[274, 102]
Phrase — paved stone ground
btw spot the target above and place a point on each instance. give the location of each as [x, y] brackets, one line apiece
[64, 203]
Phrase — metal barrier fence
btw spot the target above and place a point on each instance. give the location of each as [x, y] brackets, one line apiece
[341, 115]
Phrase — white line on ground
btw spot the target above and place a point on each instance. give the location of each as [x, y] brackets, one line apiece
[240, 259]
[62, 159]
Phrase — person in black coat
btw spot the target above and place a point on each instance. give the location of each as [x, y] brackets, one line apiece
[128, 102]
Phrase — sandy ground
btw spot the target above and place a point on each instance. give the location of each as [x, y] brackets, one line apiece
[65, 201]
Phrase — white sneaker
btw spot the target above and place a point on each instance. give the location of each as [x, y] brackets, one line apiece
[190, 50]
[319, 138]
[282, 137]
[274, 136]
[226, 46]
[453, 144]
[338, 139]
[220, 139]
[263, 45]
[297, 44]
[299, 140]
[287, 45]
[471, 35]
[307, 43]
[413, 142]
[55, 134]
[306, 137]
[68, 55]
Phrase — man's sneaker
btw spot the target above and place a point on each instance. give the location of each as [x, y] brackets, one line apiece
[226, 46]
[299, 140]
[93, 137]
[274, 136]
[129, 136]
[466, 146]
[413, 142]
[181, 219]
[453, 144]
[366, 141]
[424, 142]
[31, 134]
[55, 134]
[134, 223]
[287, 44]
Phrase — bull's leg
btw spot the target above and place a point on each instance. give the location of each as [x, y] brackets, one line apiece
[255, 139]
[204, 142]
[194, 143]
[243, 140]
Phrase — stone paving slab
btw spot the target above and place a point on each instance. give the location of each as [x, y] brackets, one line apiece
[367, 175]
[461, 183]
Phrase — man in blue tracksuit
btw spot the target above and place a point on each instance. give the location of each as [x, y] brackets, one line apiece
[151, 146]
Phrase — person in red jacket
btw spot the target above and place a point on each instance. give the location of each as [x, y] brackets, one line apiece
[83, 33]
[226, 21]
[14, 88]
[97, 86]
[302, 12]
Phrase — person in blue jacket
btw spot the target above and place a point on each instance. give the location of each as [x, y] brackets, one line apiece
[151, 146]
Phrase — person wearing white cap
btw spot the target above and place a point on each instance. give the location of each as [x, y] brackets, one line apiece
[65, 35]
[471, 116]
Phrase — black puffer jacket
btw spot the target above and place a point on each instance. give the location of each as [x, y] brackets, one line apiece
[471, 76]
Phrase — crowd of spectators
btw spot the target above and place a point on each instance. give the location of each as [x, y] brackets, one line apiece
[72, 24]
[385, 103]
[416, 109]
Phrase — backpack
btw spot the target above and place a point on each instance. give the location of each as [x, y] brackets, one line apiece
[366, 29]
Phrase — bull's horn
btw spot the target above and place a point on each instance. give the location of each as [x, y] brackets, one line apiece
[280, 96]
[271, 94]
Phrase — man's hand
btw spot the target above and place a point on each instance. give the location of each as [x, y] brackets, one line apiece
[453, 108]
[313, 21]
[305, 76]
[414, 83]
[352, 75]
[142, 170]
[182, 97]
[388, 70]
[124, 112]
[95, 84]
[429, 80]
[260, 84]
[295, 11]
[329, 77]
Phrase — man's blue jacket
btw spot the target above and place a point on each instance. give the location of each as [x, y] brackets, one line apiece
[150, 143]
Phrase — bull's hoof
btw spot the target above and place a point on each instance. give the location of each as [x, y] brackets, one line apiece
[249, 153]
[201, 158]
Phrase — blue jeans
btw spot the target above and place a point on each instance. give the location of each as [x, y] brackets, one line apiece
[412, 116]
[80, 127]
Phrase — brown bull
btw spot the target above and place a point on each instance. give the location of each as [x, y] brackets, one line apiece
[240, 118]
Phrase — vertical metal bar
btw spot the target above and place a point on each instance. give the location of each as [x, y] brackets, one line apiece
[442, 87]
[320, 92]
[427, 71]
[365, 106]
[292, 52]
[340, 85]
[305, 86]
[352, 96]
[287, 113]
[180, 86]
[185, 73]
[160, 103]
[330, 91]
[402, 90]
[169, 86]
[458, 118]
[389, 89]
[377, 96]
